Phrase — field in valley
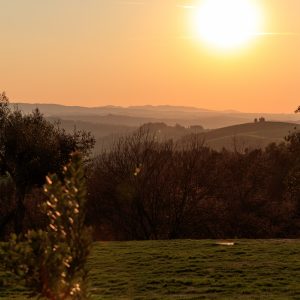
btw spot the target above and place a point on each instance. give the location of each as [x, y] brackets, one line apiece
[188, 269]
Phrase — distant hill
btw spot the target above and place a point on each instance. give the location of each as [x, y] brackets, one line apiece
[250, 135]
[219, 129]
[99, 130]
[138, 115]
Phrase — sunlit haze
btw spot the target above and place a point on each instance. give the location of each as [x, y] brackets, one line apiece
[138, 52]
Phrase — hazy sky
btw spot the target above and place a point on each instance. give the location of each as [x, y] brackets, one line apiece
[136, 52]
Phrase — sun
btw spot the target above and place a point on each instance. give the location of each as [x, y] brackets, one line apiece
[227, 24]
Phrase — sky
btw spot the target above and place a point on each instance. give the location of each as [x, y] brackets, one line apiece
[138, 52]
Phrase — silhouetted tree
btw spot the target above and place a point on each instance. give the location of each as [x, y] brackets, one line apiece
[131, 196]
[30, 148]
[262, 120]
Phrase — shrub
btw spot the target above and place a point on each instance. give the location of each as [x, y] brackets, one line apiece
[51, 263]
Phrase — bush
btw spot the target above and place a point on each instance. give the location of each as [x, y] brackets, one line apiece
[51, 263]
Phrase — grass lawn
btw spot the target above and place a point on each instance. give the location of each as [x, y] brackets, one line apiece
[187, 269]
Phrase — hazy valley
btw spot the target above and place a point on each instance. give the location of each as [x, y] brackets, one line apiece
[218, 129]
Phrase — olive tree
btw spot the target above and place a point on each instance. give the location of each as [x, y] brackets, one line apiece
[30, 148]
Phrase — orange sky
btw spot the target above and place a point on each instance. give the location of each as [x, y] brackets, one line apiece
[136, 52]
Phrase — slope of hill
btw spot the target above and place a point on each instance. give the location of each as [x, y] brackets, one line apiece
[250, 135]
[262, 129]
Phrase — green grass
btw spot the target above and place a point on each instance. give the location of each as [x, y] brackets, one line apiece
[186, 269]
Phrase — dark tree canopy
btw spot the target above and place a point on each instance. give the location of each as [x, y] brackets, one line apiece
[31, 147]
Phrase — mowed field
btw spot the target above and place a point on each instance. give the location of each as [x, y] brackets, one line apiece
[188, 269]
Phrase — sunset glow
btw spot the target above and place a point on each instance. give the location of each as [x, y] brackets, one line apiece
[165, 133]
[227, 24]
[215, 54]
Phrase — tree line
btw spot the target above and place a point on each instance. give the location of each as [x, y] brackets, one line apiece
[144, 188]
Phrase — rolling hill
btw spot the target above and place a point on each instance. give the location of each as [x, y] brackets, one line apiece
[138, 115]
[249, 135]
[227, 129]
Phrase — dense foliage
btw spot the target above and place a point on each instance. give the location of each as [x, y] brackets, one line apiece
[30, 148]
[144, 189]
[52, 262]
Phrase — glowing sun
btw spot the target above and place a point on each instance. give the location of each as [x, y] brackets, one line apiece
[227, 24]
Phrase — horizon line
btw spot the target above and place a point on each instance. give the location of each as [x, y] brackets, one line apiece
[229, 110]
